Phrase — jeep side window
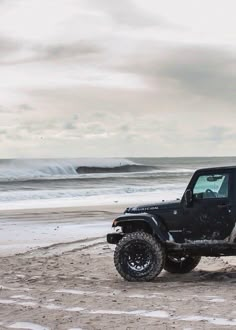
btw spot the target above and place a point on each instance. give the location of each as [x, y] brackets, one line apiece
[211, 186]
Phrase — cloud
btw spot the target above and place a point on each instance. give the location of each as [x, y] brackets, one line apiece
[13, 110]
[25, 107]
[127, 13]
[12, 53]
[193, 71]
[114, 78]
[8, 46]
[205, 72]
[3, 109]
[63, 51]
[218, 134]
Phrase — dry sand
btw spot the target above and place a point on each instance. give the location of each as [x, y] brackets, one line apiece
[72, 283]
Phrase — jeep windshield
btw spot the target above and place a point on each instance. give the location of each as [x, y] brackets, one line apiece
[211, 186]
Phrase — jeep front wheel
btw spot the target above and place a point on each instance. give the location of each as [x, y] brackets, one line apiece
[139, 257]
[181, 265]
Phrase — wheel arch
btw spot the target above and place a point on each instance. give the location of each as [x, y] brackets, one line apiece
[144, 222]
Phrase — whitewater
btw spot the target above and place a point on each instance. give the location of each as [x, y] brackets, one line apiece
[29, 183]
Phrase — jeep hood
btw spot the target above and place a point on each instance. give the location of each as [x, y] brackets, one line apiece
[154, 207]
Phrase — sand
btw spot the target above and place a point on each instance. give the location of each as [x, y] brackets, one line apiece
[57, 273]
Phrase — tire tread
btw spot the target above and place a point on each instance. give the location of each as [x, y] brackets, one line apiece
[187, 266]
[156, 246]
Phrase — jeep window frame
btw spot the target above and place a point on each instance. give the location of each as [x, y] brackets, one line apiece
[208, 191]
[211, 172]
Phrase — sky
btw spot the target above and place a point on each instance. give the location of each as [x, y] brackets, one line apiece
[106, 78]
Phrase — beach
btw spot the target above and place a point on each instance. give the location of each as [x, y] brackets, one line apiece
[117, 117]
[117, 113]
[57, 270]
[57, 273]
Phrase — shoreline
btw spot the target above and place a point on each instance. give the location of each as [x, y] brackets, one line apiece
[112, 208]
[24, 230]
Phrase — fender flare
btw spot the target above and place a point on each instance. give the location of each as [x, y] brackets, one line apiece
[155, 224]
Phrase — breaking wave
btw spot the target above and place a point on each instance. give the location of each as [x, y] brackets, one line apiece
[117, 169]
[24, 170]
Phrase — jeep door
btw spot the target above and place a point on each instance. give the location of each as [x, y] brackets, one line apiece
[209, 217]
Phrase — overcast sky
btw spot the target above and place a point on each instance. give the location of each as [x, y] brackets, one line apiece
[117, 78]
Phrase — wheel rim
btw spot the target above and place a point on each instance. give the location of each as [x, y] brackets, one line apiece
[138, 257]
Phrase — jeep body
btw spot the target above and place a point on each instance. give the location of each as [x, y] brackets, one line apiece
[201, 223]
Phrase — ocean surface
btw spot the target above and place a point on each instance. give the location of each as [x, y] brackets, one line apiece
[26, 183]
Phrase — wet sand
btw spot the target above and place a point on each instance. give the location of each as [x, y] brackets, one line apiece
[67, 280]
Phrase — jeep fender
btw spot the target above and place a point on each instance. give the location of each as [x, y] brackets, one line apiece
[154, 224]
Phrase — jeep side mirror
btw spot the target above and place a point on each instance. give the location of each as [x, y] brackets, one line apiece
[188, 197]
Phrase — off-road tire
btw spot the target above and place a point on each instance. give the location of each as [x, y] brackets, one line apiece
[139, 245]
[181, 266]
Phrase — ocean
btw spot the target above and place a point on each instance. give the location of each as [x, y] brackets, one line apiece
[29, 183]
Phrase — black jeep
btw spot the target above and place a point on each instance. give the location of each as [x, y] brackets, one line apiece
[174, 235]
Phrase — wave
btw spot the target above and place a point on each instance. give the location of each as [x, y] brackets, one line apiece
[83, 194]
[116, 169]
[36, 169]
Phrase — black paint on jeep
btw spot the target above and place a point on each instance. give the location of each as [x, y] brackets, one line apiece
[202, 223]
